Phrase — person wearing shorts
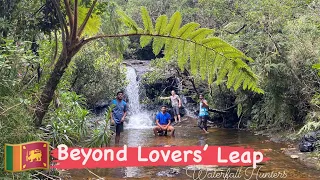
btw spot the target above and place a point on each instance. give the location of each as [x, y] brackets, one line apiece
[119, 113]
[203, 114]
[176, 104]
[163, 121]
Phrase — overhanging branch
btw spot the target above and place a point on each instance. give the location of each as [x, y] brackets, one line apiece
[237, 31]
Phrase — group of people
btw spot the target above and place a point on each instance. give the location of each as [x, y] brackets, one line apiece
[163, 118]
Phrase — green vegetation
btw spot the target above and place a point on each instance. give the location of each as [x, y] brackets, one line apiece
[60, 59]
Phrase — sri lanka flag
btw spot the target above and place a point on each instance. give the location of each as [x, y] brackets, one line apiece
[27, 156]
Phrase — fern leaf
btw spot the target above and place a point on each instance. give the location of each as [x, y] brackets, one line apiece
[182, 55]
[169, 48]
[145, 40]
[217, 62]
[193, 59]
[147, 22]
[202, 57]
[186, 30]
[161, 24]
[223, 71]
[246, 83]
[128, 21]
[232, 76]
[174, 25]
[157, 45]
[239, 80]
[212, 56]
[200, 34]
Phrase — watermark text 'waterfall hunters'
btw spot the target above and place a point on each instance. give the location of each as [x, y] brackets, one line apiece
[78, 158]
[247, 173]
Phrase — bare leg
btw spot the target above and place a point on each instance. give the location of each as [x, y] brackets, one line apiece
[117, 140]
[118, 129]
[171, 129]
[175, 119]
[155, 130]
[179, 117]
[202, 124]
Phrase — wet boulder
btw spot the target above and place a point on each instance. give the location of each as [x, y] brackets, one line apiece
[172, 172]
[310, 142]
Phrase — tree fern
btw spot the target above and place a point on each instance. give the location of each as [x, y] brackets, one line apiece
[191, 45]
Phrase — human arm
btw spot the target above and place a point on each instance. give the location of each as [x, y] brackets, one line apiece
[169, 122]
[157, 122]
[179, 101]
[124, 116]
[112, 120]
[125, 113]
[205, 103]
[164, 97]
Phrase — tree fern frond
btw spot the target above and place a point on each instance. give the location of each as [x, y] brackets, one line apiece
[223, 71]
[145, 40]
[193, 58]
[174, 24]
[157, 45]
[211, 56]
[169, 48]
[161, 24]
[185, 31]
[182, 55]
[210, 64]
[128, 21]
[217, 62]
[147, 22]
[224, 48]
[200, 34]
[239, 80]
[203, 62]
[232, 76]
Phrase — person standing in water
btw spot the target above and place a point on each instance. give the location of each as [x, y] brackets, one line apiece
[176, 104]
[203, 114]
[119, 113]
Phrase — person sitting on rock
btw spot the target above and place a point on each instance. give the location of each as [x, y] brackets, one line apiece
[163, 121]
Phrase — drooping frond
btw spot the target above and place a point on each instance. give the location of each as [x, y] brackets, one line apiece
[128, 21]
[206, 55]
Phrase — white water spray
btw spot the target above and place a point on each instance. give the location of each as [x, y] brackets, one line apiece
[138, 118]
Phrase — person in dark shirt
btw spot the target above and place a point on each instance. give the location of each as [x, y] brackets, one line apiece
[163, 121]
[119, 113]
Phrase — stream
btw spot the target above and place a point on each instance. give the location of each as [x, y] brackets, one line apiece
[138, 132]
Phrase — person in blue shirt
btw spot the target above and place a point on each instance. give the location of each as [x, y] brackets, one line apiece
[203, 114]
[163, 121]
[119, 113]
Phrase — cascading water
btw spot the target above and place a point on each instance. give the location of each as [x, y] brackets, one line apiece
[138, 118]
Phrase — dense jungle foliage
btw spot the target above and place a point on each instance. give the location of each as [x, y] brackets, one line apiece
[282, 37]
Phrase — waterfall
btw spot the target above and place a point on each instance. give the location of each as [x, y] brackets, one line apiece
[138, 118]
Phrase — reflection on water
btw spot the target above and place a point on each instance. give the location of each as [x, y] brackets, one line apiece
[188, 135]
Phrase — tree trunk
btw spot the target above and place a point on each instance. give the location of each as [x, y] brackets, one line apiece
[51, 85]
